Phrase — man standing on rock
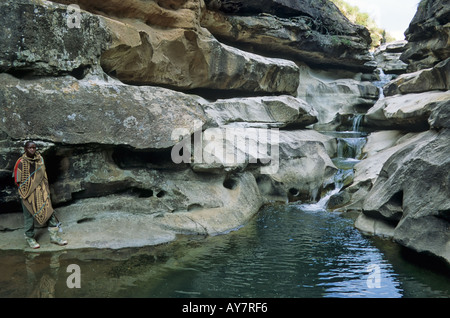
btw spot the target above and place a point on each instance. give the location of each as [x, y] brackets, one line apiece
[31, 178]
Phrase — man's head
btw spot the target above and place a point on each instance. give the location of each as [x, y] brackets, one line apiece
[30, 149]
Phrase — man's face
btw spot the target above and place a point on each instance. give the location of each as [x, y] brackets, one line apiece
[30, 150]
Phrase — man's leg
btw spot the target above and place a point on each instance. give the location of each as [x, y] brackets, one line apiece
[28, 223]
[52, 222]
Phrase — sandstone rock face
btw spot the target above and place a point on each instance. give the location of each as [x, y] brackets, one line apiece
[428, 36]
[44, 43]
[332, 95]
[388, 56]
[316, 34]
[184, 59]
[435, 78]
[93, 110]
[164, 44]
[135, 157]
[133, 47]
[411, 192]
[81, 78]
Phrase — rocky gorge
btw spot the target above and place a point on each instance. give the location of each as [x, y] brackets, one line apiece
[159, 118]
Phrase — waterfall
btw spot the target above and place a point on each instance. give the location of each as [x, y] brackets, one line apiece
[349, 153]
[349, 150]
[357, 122]
[350, 147]
[384, 79]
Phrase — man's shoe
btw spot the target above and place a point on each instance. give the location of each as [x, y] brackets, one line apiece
[32, 242]
[54, 237]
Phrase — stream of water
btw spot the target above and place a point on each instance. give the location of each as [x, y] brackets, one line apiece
[284, 252]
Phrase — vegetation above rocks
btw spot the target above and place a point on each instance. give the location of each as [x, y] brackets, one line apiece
[353, 13]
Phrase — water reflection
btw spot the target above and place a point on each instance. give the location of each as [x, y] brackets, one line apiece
[283, 252]
[29, 274]
[42, 274]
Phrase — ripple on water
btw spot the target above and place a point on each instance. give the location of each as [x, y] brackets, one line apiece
[284, 251]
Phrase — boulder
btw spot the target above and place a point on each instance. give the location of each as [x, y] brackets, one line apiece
[411, 192]
[94, 110]
[435, 78]
[410, 112]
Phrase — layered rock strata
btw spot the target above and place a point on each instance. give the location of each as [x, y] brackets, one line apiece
[428, 35]
[318, 34]
[102, 89]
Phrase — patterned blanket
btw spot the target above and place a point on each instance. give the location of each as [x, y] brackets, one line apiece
[31, 178]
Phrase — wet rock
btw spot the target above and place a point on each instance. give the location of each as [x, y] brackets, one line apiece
[373, 226]
[338, 200]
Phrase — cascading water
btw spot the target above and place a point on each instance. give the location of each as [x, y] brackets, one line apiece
[384, 79]
[349, 149]
[349, 152]
[357, 122]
